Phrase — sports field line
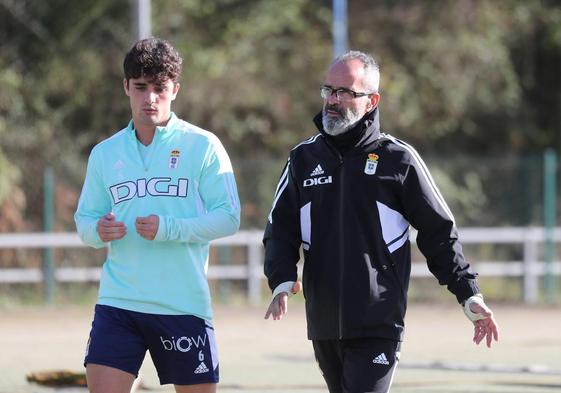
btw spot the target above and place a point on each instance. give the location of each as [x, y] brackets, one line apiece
[483, 368]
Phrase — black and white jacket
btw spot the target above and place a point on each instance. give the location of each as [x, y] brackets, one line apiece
[349, 202]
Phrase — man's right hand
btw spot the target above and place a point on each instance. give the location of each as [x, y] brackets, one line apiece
[279, 304]
[108, 229]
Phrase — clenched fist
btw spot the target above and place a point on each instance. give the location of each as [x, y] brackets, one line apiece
[147, 227]
[109, 229]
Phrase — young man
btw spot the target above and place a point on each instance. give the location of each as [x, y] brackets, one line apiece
[158, 192]
[348, 195]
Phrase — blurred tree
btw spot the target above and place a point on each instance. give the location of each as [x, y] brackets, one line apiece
[249, 67]
[458, 77]
[466, 76]
[59, 88]
[251, 75]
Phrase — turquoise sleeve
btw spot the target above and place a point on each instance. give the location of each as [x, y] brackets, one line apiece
[94, 203]
[218, 197]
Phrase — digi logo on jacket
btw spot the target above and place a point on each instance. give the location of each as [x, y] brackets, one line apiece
[316, 181]
[156, 186]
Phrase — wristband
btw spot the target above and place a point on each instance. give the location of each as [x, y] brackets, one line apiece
[284, 287]
[478, 298]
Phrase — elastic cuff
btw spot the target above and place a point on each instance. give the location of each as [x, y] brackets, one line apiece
[162, 229]
[466, 290]
[284, 287]
[477, 298]
[96, 241]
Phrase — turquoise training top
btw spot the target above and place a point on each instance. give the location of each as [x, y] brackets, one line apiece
[186, 178]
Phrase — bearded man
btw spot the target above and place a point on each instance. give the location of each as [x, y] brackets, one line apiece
[348, 197]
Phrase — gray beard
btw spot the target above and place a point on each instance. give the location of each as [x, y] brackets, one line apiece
[338, 125]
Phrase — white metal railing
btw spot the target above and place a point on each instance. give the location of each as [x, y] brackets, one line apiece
[530, 268]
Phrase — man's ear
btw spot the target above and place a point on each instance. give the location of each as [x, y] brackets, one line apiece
[126, 86]
[374, 100]
[176, 87]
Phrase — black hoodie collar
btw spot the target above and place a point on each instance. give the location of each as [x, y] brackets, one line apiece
[366, 131]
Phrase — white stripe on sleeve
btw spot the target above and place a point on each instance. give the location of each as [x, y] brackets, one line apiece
[283, 182]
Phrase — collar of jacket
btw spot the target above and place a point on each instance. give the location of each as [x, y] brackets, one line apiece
[366, 131]
[163, 131]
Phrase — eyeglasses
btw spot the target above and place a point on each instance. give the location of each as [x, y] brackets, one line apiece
[342, 93]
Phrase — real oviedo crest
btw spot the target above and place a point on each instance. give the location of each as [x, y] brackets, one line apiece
[371, 164]
[174, 159]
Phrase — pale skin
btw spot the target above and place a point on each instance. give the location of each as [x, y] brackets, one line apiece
[109, 229]
[151, 107]
[351, 75]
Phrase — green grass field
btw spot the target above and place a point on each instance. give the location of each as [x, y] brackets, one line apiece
[275, 356]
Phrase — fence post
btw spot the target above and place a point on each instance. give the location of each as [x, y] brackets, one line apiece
[530, 277]
[254, 272]
[549, 213]
[48, 218]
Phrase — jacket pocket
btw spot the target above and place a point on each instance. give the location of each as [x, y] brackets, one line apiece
[381, 279]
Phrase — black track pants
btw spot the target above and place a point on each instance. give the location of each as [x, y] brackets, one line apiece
[364, 365]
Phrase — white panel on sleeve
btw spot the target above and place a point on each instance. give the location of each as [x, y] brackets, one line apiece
[283, 182]
[395, 228]
[306, 225]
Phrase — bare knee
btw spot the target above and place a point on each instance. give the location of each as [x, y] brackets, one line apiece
[103, 379]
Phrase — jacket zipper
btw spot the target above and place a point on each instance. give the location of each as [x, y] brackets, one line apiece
[341, 245]
[145, 163]
[341, 238]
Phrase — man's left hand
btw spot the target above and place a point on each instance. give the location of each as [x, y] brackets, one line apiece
[147, 227]
[486, 327]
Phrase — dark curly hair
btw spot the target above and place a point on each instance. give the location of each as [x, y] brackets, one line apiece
[153, 58]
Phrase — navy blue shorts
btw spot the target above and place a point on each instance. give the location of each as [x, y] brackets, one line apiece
[182, 347]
